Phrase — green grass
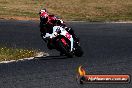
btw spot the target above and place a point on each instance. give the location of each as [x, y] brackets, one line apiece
[87, 10]
[7, 54]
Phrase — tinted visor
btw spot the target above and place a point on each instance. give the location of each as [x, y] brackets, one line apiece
[43, 19]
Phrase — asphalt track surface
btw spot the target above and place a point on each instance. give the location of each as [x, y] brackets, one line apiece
[107, 50]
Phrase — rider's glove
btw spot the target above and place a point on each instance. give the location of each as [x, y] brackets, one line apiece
[43, 37]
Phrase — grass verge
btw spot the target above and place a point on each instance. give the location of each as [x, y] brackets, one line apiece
[86, 10]
[7, 54]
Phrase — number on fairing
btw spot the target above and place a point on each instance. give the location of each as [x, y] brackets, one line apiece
[58, 29]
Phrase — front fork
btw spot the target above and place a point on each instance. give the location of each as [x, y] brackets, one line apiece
[71, 39]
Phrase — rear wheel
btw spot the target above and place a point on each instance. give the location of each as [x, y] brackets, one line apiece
[78, 51]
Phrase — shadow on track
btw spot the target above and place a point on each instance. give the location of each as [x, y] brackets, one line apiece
[51, 57]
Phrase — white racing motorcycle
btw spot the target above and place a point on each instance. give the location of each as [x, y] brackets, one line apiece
[64, 42]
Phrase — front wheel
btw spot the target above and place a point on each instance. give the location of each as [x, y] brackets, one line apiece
[65, 49]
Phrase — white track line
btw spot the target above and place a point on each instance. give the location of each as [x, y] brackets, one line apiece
[121, 22]
[40, 54]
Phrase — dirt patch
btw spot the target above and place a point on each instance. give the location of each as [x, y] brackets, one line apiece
[70, 10]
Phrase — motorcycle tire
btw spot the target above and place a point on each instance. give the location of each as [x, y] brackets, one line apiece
[65, 50]
[78, 51]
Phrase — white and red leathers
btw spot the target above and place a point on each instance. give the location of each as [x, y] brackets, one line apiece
[47, 22]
